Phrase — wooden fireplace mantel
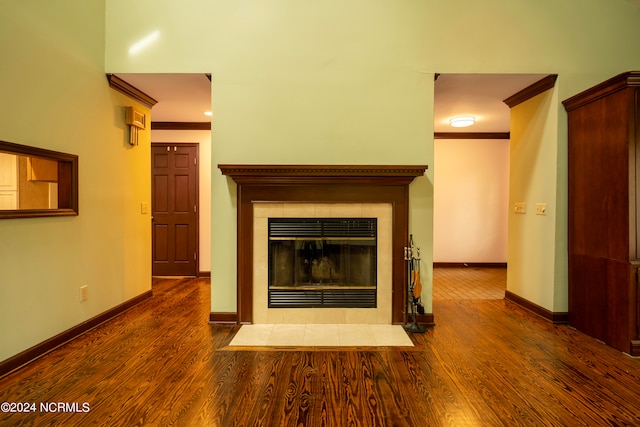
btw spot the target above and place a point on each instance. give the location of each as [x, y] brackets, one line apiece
[323, 174]
[319, 184]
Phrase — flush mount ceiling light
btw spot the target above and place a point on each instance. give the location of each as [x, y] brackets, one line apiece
[462, 121]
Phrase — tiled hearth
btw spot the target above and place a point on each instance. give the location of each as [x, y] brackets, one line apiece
[324, 335]
[379, 315]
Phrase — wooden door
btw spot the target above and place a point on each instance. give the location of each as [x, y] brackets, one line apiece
[174, 199]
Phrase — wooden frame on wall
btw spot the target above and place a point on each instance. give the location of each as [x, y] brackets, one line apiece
[67, 181]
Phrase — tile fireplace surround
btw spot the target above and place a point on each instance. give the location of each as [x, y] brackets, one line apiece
[320, 188]
[263, 314]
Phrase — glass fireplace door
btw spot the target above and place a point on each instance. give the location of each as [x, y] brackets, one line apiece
[326, 262]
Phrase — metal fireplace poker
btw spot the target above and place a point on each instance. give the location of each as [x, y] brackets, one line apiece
[412, 259]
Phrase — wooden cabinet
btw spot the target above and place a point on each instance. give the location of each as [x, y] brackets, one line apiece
[40, 169]
[604, 211]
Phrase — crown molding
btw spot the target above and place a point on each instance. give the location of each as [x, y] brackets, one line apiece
[621, 81]
[180, 125]
[132, 92]
[529, 92]
[471, 135]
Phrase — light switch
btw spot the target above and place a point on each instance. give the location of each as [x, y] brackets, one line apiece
[144, 208]
[541, 208]
[520, 207]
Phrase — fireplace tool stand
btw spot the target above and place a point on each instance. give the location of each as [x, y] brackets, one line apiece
[412, 259]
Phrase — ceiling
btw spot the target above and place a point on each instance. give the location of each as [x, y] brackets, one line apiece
[185, 98]
[480, 96]
[181, 97]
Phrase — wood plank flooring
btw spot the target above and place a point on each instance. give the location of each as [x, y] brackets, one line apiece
[485, 363]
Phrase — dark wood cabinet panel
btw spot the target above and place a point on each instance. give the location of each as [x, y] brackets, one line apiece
[603, 211]
[588, 295]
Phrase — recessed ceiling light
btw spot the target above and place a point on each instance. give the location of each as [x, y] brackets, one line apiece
[462, 121]
[207, 113]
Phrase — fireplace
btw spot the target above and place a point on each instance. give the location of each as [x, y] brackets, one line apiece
[321, 191]
[322, 262]
[308, 307]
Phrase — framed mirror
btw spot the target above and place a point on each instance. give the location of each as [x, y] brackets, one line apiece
[35, 182]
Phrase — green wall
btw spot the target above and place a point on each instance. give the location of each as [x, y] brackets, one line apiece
[54, 95]
[352, 82]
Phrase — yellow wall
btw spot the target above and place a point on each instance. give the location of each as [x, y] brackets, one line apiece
[55, 96]
[532, 246]
[352, 82]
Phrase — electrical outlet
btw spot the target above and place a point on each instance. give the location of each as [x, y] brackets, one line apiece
[541, 208]
[520, 207]
[84, 293]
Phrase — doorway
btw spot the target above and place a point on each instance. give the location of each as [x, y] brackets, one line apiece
[471, 182]
[175, 209]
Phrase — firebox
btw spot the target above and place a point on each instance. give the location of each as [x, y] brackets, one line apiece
[322, 262]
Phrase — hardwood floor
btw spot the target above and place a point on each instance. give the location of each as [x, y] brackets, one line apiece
[485, 363]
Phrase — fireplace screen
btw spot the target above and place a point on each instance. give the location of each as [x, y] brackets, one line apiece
[322, 262]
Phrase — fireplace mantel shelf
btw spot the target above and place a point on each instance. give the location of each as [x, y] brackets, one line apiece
[326, 174]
